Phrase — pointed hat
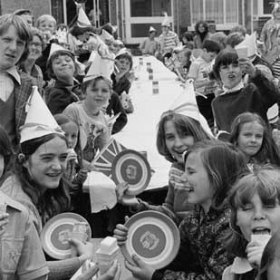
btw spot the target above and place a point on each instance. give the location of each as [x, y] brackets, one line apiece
[100, 66]
[249, 43]
[56, 47]
[39, 120]
[106, 36]
[186, 105]
[151, 29]
[82, 20]
[166, 21]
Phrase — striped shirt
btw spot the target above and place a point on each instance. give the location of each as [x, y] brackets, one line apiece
[168, 42]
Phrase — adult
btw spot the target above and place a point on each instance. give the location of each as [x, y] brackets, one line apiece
[15, 87]
[201, 34]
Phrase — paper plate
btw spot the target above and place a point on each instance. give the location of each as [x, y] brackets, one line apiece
[55, 233]
[154, 237]
[132, 167]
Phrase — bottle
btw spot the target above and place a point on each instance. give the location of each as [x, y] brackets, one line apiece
[107, 253]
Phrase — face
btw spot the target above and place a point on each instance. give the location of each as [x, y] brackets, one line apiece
[47, 164]
[250, 138]
[11, 48]
[152, 34]
[231, 75]
[208, 56]
[2, 165]
[201, 28]
[97, 94]
[71, 134]
[181, 57]
[35, 48]
[195, 179]
[164, 29]
[175, 143]
[63, 66]
[47, 26]
[257, 218]
[123, 65]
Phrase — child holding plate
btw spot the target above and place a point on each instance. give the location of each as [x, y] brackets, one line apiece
[211, 168]
[255, 216]
[177, 132]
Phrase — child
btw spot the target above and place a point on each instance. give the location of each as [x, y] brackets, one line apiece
[204, 87]
[176, 134]
[256, 97]
[62, 68]
[211, 168]
[150, 46]
[255, 215]
[18, 236]
[122, 79]
[74, 173]
[182, 62]
[252, 136]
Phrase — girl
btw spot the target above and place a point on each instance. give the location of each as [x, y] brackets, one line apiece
[29, 66]
[62, 68]
[18, 234]
[74, 173]
[176, 134]
[211, 168]
[252, 136]
[88, 113]
[254, 201]
[38, 184]
[202, 34]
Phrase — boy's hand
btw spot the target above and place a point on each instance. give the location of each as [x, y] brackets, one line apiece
[120, 232]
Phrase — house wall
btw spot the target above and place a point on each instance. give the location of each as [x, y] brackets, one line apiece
[38, 7]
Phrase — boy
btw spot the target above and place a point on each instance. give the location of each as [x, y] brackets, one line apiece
[15, 87]
[150, 45]
[204, 87]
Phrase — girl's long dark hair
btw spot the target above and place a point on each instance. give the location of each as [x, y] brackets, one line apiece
[52, 201]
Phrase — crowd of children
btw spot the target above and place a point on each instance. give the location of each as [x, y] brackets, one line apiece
[60, 91]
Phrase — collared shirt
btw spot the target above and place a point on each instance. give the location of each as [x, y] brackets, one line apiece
[239, 86]
[7, 82]
[21, 255]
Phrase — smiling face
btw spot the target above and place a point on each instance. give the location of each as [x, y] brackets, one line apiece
[250, 138]
[123, 65]
[35, 48]
[231, 75]
[47, 164]
[63, 67]
[258, 217]
[97, 95]
[175, 143]
[196, 180]
[11, 48]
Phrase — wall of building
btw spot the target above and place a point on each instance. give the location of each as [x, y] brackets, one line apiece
[38, 7]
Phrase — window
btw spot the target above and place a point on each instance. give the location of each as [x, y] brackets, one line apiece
[221, 11]
[149, 8]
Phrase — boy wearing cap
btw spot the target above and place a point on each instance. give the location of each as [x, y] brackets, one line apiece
[15, 87]
[150, 45]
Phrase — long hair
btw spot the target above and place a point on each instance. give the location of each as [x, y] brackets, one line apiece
[264, 181]
[52, 201]
[6, 151]
[196, 28]
[185, 126]
[223, 164]
[22, 28]
[269, 150]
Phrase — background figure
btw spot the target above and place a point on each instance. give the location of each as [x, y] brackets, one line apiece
[201, 34]
[150, 45]
[26, 15]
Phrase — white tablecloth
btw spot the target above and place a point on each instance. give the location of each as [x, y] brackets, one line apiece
[140, 132]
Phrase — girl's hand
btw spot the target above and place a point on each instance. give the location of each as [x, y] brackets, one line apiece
[254, 252]
[120, 232]
[247, 67]
[121, 189]
[140, 269]
[84, 250]
[71, 155]
[3, 222]
[81, 176]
